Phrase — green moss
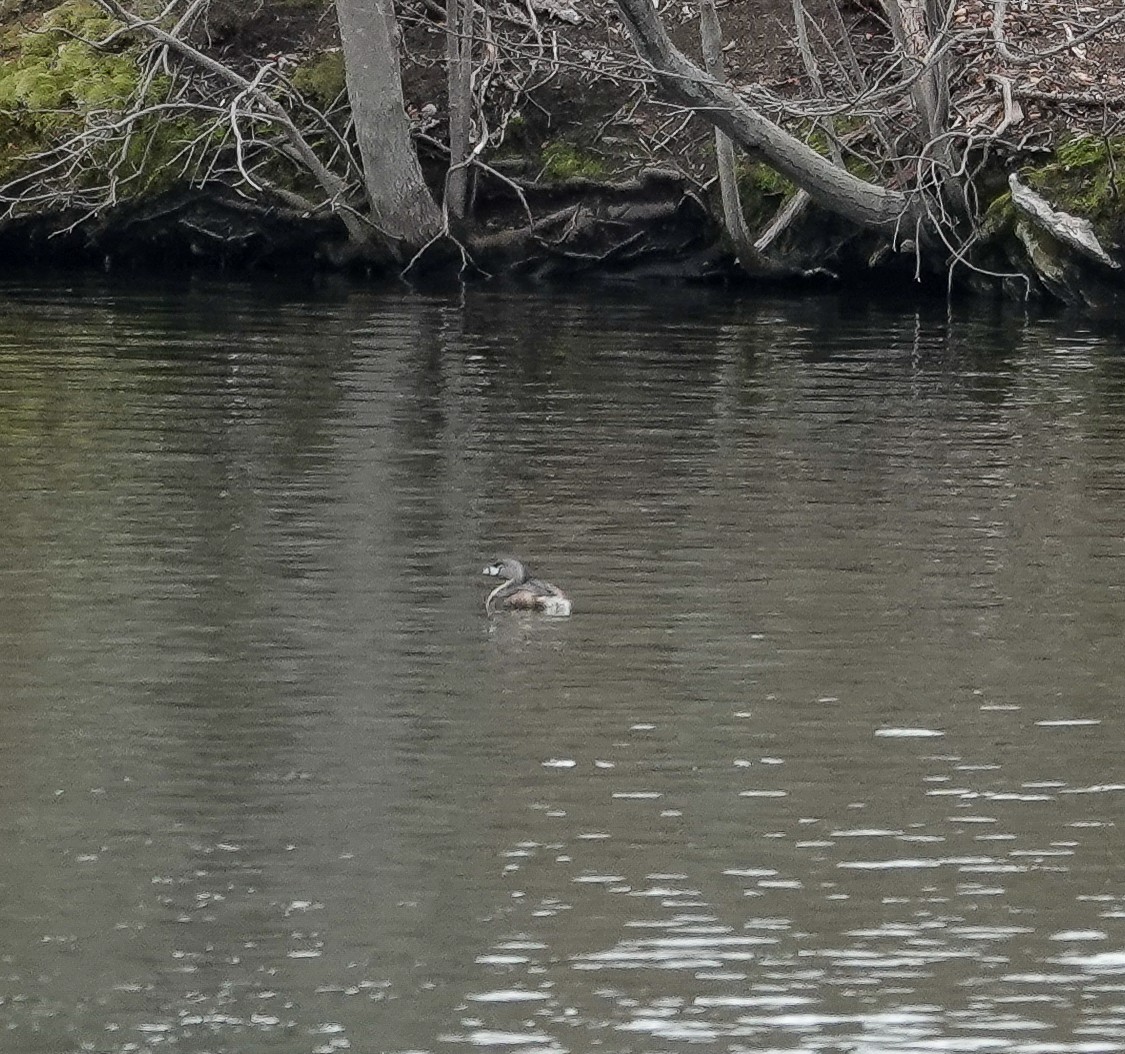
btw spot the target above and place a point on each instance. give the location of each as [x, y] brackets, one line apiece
[817, 138]
[563, 160]
[1000, 216]
[1083, 151]
[756, 179]
[46, 69]
[761, 191]
[844, 130]
[1086, 177]
[49, 80]
[862, 168]
[321, 78]
[156, 158]
[50, 83]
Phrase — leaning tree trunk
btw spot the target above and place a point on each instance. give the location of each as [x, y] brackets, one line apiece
[401, 204]
[836, 189]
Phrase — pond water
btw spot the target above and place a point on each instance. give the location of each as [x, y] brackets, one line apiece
[827, 758]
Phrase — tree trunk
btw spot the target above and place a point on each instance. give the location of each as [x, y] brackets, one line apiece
[915, 26]
[401, 204]
[835, 189]
[750, 259]
[459, 57]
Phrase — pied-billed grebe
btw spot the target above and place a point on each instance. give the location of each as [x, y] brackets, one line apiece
[520, 592]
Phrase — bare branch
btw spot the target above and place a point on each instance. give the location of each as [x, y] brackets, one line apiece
[333, 186]
[1004, 50]
[837, 190]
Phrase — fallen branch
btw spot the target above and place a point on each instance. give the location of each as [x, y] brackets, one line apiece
[1013, 112]
[1071, 98]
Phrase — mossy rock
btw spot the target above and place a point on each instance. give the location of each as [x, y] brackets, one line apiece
[1086, 177]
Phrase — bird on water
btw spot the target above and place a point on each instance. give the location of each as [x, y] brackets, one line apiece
[518, 591]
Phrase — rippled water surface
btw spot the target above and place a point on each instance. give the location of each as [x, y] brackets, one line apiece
[827, 759]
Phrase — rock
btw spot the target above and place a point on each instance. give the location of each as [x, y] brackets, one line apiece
[1070, 230]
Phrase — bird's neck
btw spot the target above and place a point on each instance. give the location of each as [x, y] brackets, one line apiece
[492, 596]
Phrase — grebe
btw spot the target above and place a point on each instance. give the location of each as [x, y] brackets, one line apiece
[520, 592]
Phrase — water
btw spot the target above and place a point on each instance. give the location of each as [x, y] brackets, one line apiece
[826, 760]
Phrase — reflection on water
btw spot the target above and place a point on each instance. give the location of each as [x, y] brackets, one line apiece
[825, 760]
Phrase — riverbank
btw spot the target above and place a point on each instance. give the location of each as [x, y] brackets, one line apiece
[586, 170]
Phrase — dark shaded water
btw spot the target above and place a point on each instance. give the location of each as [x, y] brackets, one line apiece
[828, 758]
